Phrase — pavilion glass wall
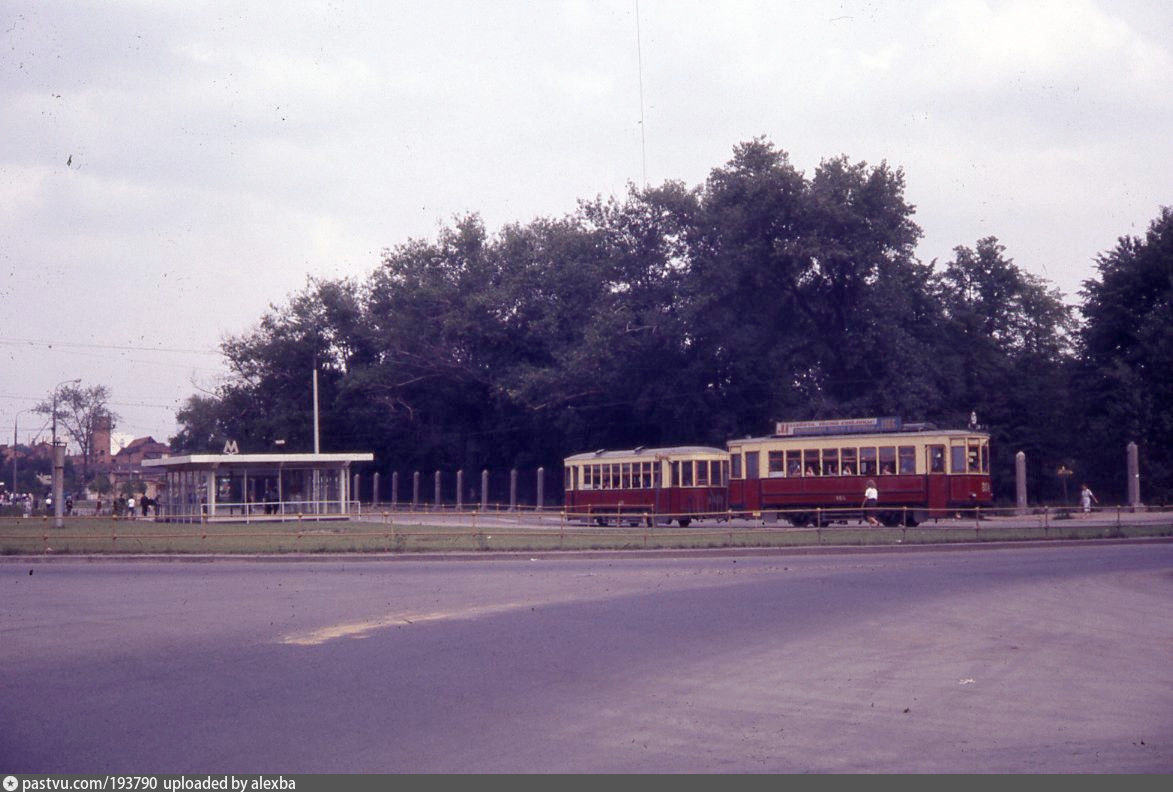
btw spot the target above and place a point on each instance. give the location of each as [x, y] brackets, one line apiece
[185, 495]
[192, 495]
[279, 491]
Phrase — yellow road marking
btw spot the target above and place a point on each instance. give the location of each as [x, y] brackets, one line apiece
[363, 629]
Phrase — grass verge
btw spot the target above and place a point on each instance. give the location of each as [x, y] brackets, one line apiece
[103, 535]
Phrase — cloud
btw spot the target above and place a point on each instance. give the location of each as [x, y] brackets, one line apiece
[171, 170]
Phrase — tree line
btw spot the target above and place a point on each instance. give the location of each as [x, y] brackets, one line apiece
[684, 314]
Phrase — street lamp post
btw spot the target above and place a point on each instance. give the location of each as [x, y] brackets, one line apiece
[58, 461]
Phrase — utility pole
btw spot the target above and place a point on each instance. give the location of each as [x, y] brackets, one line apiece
[316, 445]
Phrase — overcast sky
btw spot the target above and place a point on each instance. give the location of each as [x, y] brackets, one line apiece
[169, 170]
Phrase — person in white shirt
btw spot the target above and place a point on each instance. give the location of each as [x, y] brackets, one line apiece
[871, 497]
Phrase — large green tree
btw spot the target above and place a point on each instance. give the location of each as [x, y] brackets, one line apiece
[1006, 356]
[1125, 382]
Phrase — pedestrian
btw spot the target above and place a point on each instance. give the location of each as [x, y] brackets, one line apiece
[871, 496]
[1087, 498]
[130, 508]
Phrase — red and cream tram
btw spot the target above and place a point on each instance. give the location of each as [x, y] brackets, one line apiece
[814, 471]
[648, 484]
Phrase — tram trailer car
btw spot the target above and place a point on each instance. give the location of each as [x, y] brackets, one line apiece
[647, 484]
[812, 471]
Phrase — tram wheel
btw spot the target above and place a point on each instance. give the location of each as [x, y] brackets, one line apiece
[684, 521]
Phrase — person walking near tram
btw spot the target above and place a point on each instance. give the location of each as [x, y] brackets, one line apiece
[1087, 498]
[871, 496]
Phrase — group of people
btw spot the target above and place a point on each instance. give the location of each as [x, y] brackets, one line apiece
[130, 507]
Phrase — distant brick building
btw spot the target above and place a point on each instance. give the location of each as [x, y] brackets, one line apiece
[127, 464]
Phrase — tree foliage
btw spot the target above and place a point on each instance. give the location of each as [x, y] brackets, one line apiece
[1125, 385]
[675, 314]
[79, 412]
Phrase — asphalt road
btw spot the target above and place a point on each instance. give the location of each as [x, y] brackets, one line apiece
[1050, 659]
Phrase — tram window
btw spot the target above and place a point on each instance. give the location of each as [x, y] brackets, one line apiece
[985, 457]
[735, 466]
[774, 463]
[957, 460]
[848, 455]
[702, 473]
[887, 460]
[974, 456]
[751, 464]
[793, 463]
[657, 475]
[907, 459]
[569, 475]
[867, 462]
[625, 472]
[724, 472]
[686, 474]
[936, 459]
[586, 476]
[675, 474]
[647, 477]
[810, 461]
[830, 461]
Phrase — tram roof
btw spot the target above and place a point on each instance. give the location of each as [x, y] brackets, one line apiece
[856, 437]
[645, 453]
[269, 460]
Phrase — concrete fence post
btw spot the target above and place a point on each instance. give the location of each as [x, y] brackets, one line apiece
[1133, 476]
[58, 480]
[459, 490]
[439, 495]
[484, 490]
[375, 490]
[1020, 481]
[513, 489]
[541, 498]
[395, 489]
[415, 491]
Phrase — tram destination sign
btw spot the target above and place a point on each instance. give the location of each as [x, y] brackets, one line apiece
[837, 426]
